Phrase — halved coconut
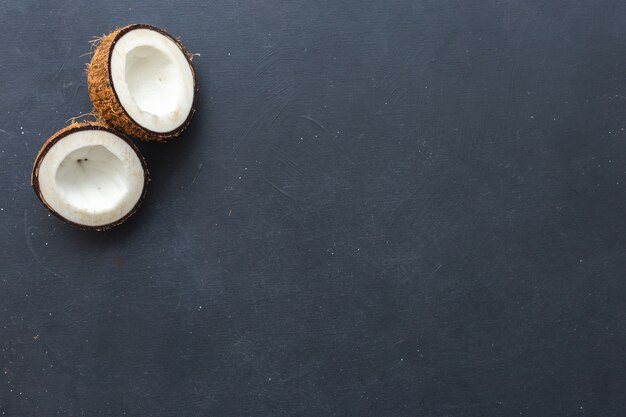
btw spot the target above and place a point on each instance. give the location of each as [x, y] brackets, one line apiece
[142, 82]
[90, 175]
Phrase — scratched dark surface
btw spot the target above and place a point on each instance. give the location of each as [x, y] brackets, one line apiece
[382, 208]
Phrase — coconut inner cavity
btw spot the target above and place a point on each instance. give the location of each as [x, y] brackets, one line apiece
[92, 178]
[153, 81]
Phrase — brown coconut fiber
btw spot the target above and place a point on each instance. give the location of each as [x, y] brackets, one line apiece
[104, 98]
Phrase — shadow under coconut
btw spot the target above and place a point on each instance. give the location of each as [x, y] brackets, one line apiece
[93, 240]
[171, 162]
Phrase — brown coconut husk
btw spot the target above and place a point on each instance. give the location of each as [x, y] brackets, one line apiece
[104, 98]
[73, 128]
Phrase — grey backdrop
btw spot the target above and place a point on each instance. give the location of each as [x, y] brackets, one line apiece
[382, 208]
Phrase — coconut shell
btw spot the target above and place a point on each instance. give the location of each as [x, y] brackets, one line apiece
[73, 128]
[104, 98]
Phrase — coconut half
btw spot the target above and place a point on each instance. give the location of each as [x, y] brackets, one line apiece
[90, 176]
[142, 82]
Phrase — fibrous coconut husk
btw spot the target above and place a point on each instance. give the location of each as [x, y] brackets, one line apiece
[104, 98]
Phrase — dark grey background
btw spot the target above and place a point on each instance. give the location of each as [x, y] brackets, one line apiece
[382, 208]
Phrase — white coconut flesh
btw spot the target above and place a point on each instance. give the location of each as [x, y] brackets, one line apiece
[91, 177]
[153, 80]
